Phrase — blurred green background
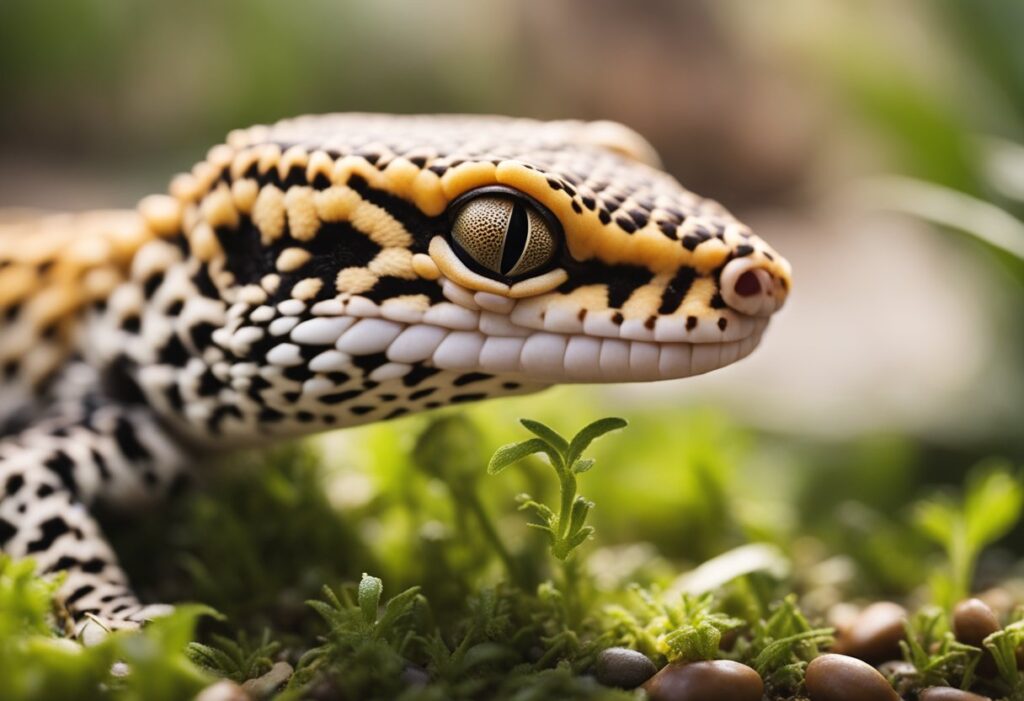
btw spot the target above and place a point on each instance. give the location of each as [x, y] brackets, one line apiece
[879, 145]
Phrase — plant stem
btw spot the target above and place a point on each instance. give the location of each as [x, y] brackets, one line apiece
[491, 534]
[960, 562]
[567, 487]
[571, 590]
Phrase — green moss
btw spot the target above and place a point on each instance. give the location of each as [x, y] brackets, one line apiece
[472, 598]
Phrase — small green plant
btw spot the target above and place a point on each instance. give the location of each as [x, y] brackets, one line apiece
[238, 659]
[990, 508]
[566, 530]
[38, 663]
[935, 653]
[1003, 645]
[782, 645]
[365, 642]
[486, 620]
[680, 627]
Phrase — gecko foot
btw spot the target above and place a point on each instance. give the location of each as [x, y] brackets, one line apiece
[93, 629]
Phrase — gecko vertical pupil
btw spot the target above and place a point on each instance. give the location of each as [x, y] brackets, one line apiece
[503, 234]
[515, 238]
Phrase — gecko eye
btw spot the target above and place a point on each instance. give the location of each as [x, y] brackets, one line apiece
[503, 232]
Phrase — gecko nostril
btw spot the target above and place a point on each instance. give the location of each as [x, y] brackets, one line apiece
[749, 287]
[748, 284]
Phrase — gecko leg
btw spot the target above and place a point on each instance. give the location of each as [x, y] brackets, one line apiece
[54, 471]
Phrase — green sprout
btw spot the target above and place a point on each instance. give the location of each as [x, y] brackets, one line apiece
[365, 641]
[567, 529]
[783, 644]
[237, 659]
[936, 655]
[991, 506]
[1003, 646]
[697, 629]
[352, 623]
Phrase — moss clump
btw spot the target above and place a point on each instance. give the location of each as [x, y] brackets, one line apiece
[469, 599]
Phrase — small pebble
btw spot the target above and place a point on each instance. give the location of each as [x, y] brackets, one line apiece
[948, 693]
[834, 677]
[265, 686]
[324, 690]
[224, 690]
[897, 668]
[874, 634]
[716, 680]
[623, 668]
[973, 621]
[901, 675]
[413, 675]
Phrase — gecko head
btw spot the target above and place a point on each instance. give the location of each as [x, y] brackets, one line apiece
[445, 259]
[606, 286]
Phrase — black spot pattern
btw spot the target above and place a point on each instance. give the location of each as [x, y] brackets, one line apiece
[51, 530]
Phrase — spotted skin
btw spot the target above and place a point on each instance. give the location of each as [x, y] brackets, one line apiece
[304, 277]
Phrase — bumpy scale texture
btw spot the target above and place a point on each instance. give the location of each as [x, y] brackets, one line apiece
[304, 276]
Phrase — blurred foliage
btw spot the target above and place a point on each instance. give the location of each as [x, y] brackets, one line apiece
[38, 664]
[952, 120]
[476, 600]
[175, 76]
[991, 507]
[477, 622]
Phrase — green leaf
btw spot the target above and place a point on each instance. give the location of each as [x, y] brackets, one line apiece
[936, 519]
[582, 465]
[397, 607]
[779, 653]
[577, 539]
[692, 643]
[239, 659]
[483, 654]
[514, 452]
[589, 433]
[992, 506]
[1003, 646]
[548, 435]
[547, 530]
[543, 512]
[580, 508]
[370, 589]
[950, 208]
[213, 659]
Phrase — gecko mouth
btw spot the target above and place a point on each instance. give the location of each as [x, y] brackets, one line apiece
[553, 357]
[517, 340]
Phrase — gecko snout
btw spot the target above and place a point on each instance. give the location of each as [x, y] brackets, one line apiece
[754, 287]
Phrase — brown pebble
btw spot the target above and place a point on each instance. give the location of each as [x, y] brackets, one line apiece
[874, 634]
[901, 675]
[973, 621]
[948, 693]
[834, 677]
[897, 668]
[715, 680]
